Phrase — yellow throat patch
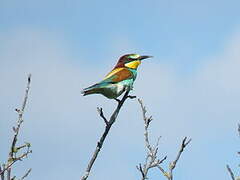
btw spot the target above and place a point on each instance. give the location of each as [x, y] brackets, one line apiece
[133, 64]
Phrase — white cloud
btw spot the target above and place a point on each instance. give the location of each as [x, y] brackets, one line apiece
[63, 126]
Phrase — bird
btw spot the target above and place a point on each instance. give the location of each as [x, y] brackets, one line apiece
[119, 79]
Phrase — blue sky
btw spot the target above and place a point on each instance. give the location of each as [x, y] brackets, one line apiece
[191, 86]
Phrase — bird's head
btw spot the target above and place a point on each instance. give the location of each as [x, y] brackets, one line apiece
[131, 61]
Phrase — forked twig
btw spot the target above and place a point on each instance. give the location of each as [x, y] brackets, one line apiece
[151, 160]
[100, 111]
[151, 157]
[169, 174]
[13, 157]
[108, 126]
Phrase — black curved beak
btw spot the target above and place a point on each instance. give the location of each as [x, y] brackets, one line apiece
[144, 57]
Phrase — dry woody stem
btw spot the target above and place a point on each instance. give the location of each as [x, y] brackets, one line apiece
[13, 157]
[169, 174]
[233, 177]
[230, 172]
[151, 160]
[108, 125]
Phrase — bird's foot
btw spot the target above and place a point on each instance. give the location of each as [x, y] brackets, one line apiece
[117, 100]
[131, 97]
[130, 88]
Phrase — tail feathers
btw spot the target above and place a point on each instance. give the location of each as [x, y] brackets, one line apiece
[87, 92]
[90, 90]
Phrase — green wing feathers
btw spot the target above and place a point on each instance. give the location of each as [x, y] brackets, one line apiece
[114, 77]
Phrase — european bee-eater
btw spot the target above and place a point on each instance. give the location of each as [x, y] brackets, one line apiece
[120, 79]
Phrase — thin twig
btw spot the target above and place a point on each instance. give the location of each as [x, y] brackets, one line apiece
[151, 160]
[100, 111]
[230, 172]
[26, 174]
[184, 144]
[20, 118]
[15, 159]
[173, 164]
[108, 126]
[2, 175]
[12, 157]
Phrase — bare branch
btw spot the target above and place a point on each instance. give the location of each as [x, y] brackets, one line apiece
[233, 177]
[15, 159]
[230, 172]
[166, 174]
[2, 175]
[141, 170]
[108, 126]
[184, 144]
[151, 159]
[20, 118]
[173, 164]
[26, 174]
[12, 157]
[100, 111]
